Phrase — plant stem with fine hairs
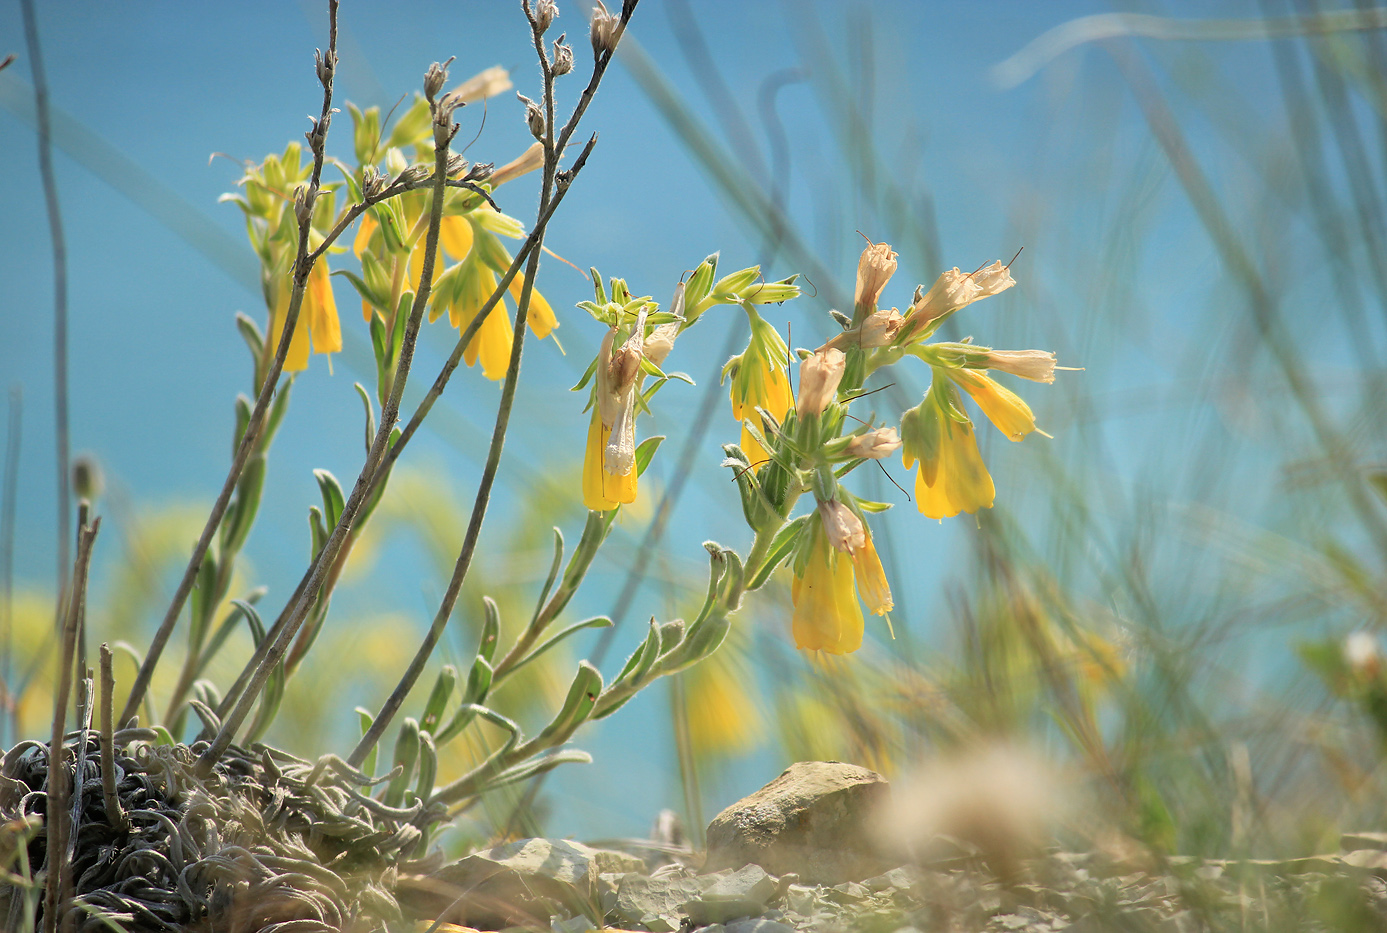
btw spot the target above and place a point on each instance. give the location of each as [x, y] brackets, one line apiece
[317, 138]
[389, 415]
[55, 232]
[57, 827]
[552, 149]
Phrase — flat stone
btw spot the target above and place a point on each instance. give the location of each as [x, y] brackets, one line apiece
[759, 925]
[656, 903]
[521, 882]
[1371, 860]
[733, 894]
[812, 820]
[1351, 841]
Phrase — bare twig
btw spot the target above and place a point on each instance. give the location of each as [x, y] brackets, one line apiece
[553, 148]
[8, 716]
[317, 140]
[57, 804]
[59, 245]
[389, 414]
[115, 814]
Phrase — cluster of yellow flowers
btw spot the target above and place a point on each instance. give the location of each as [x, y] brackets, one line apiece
[390, 241]
[833, 553]
[795, 444]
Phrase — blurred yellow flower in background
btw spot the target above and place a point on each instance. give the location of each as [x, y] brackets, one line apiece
[317, 323]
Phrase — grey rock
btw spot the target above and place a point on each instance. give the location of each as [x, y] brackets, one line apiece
[1350, 841]
[900, 879]
[578, 924]
[812, 820]
[733, 894]
[521, 882]
[656, 903]
[760, 925]
[801, 899]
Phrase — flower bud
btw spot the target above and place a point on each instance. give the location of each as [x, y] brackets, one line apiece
[534, 117]
[842, 526]
[604, 30]
[303, 205]
[563, 58]
[819, 376]
[529, 160]
[456, 164]
[545, 11]
[372, 182]
[324, 65]
[875, 445]
[435, 78]
[874, 270]
[87, 479]
[481, 171]
[954, 290]
[1035, 365]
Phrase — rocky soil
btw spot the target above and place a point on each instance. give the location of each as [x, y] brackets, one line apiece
[810, 828]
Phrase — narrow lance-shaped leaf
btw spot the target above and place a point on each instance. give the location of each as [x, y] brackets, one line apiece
[428, 766]
[596, 622]
[577, 707]
[370, 413]
[554, 566]
[406, 754]
[333, 499]
[438, 699]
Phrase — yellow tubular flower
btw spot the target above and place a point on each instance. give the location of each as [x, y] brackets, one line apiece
[363, 239]
[1003, 407]
[492, 344]
[317, 318]
[541, 318]
[827, 616]
[602, 491]
[952, 477]
[772, 392]
[363, 234]
[455, 236]
[871, 578]
[321, 308]
[604, 486]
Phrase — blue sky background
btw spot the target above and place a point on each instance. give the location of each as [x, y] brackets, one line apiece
[1116, 275]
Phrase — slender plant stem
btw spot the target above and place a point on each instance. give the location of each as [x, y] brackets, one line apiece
[59, 245]
[425, 405]
[465, 338]
[57, 803]
[389, 415]
[1262, 303]
[552, 149]
[8, 706]
[115, 814]
[397, 697]
[317, 138]
[668, 499]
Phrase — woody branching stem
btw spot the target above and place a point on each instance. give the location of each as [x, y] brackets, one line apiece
[317, 138]
[553, 147]
[444, 131]
[58, 828]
